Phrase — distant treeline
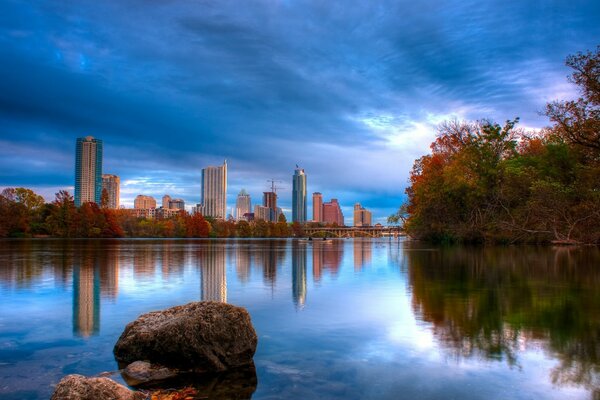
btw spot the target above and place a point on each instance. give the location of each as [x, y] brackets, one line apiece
[485, 182]
[23, 213]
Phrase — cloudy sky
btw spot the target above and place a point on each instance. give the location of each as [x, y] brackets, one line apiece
[350, 90]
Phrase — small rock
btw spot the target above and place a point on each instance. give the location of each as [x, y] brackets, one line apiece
[77, 387]
[141, 373]
[201, 337]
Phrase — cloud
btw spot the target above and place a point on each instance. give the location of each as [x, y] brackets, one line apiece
[352, 91]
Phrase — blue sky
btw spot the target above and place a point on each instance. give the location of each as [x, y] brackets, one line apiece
[350, 90]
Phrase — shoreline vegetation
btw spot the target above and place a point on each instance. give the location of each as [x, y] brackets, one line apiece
[489, 183]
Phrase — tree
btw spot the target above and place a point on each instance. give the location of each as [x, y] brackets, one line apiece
[104, 199]
[578, 121]
[197, 226]
[63, 219]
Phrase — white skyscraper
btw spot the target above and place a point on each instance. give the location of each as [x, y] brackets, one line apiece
[213, 202]
[243, 205]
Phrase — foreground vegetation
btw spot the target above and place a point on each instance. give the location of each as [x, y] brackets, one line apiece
[485, 182]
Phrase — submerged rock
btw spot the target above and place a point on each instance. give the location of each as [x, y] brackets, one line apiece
[78, 387]
[140, 373]
[200, 337]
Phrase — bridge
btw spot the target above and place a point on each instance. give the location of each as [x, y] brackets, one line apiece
[354, 231]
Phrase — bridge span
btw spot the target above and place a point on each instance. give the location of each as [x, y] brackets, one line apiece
[354, 231]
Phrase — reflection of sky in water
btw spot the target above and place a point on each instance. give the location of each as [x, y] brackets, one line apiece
[334, 320]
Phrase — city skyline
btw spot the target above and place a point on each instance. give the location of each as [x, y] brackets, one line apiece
[352, 93]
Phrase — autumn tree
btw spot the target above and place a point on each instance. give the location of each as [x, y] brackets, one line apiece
[197, 226]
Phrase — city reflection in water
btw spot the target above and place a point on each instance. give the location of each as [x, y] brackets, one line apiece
[492, 303]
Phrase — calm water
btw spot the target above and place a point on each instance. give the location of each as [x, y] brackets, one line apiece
[352, 319]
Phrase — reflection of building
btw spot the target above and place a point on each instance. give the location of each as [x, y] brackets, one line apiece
[86, 299]
[144, 263]
[213, 202]
[362, 216]
[112, 185]
[213, 274]
[109, 272]
[268, 257]
[242, 263]
[243, 205]
[299, 196]
[362, 253]
[326, 256]
[317, 207]
[299, 274]
[88, 170]
[332, 213]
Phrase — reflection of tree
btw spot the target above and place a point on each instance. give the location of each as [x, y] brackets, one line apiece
[490, 302]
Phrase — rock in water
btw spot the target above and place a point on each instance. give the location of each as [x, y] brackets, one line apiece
[202, 337]
[77, 387]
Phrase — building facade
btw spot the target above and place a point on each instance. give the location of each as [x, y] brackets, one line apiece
[332, 213]
[299, 196]
[362, 216]
[88, 170]
[270, 202]
[243, 205]
[112, 185]
[317, 207]
[213, 202]
[142, 202]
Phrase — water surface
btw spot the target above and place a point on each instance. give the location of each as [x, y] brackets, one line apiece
[348, 319]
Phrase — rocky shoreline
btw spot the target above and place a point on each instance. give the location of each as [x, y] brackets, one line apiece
[197, 350]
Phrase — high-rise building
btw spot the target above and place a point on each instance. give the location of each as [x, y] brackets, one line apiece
[262, 213]
[362, 216]
[332, 213]
[270, 202]
[112, 185]
[214, 191]
[176, 204]
[299, 196]
[317, 207]
[88, 170]
[142, 202]
[165, 201]
[243, 205]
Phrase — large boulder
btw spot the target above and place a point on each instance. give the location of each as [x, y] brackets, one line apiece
[200, 337]
[77, 387]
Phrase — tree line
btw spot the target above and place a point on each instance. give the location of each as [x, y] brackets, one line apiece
[23, 213]
[486, 182]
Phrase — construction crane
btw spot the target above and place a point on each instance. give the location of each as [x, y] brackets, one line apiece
[273, 186]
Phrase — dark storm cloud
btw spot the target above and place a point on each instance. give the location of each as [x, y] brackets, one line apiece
[350, 90]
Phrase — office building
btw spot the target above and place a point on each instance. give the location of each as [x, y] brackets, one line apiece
[243, 205]
[142, 202]
[362, 216]
[332, 213]
[213, 202]
[270, 202]
[317, 207]
[299, 196]
[112, 185]
[176, 204]
[88, 170]
[165, 201]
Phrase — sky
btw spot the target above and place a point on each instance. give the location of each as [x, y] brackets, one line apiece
[352, 91]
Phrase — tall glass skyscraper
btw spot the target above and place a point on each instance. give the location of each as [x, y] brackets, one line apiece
[214, 191]
[88, 170]
[299, 196]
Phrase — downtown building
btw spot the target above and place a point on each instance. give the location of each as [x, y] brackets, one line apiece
[332, 213]
[362, 216]
[317, 207]
[144, 206]
[243, 205]
[299, 196]
[88, 171]
[213, 201]
[112, 185]
[269, 210]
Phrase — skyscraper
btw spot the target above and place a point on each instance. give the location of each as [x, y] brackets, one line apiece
[317, 207]
[270, 201]
[214, 191]
[362, 216]
[332, 213]
[243, 205]
[112, 184]
[165, 201]
[88, 170]
[299, 196]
